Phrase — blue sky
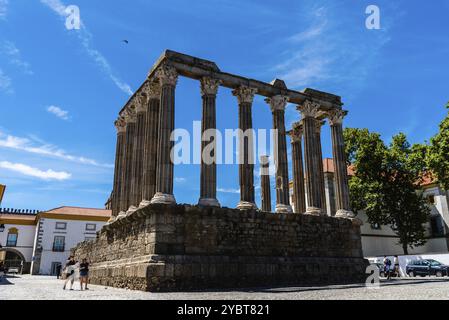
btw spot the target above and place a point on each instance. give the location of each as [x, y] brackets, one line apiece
[60, 90]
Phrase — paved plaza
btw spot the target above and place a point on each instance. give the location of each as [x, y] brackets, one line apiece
[49, 288]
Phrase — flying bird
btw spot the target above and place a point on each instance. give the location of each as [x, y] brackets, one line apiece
[125, 41]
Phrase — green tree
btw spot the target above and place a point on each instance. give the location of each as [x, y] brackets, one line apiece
[438, 155]
[386, 183]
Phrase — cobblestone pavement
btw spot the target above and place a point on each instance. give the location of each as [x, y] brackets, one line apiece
[48, 288]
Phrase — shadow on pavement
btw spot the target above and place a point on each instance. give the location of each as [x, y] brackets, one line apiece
[383, 283]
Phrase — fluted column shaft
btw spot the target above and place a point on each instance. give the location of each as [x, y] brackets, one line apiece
[309, 111]
[138, 152]
[153, 92]
[245, 97]
[341, 172]
[265, 183]
[277, 105]
[319, 124]
[168, 77]
[130, 119]
[118, 168]
[208, 187]
[299, 195]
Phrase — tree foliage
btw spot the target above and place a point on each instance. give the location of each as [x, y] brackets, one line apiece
[386, 183]
[438, 156]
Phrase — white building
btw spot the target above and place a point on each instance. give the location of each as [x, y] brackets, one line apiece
[40, 241]
[17, 231]
[378, 240]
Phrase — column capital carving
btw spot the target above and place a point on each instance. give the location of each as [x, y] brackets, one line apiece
[309, 109]
[277, 103]
[336, 116]
[120, 125]
[167, 75]
[152, 90]
[296, 132]
[244, 94]
[141, 101]
[130, 115]
[209, 86]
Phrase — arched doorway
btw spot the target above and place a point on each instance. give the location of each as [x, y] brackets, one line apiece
[13, 258]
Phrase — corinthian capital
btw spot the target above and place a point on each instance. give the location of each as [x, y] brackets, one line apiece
[244, 94]
[296, 132]
[336, 116]
[167, 75]
[309, 109]
[152, 90]
[130, 114]
[277, 103]
[120, 125]
[209, 86]
[319, 124]
[141, 101]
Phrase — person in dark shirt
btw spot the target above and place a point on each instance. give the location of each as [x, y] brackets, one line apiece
[84, 274]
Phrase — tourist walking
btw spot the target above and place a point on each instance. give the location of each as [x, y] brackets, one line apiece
[2, 271]
[387, 267]
[397, 270]
[84, 274]
[69, 272]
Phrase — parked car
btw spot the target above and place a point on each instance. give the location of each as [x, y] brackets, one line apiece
[427, 267]
[381, 269]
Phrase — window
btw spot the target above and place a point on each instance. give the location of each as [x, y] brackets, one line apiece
[61, 225]
[436, 226]
[431, 199]
[59, 244]
[11, 240]
[91, 226]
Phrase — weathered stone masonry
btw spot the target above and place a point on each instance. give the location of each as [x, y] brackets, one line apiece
[164, 248]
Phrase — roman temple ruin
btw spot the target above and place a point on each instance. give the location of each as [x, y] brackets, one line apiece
[152, 243]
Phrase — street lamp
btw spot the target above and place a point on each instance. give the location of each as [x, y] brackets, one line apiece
[2, 227]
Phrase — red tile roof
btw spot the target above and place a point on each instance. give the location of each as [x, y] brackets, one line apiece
[81, 211]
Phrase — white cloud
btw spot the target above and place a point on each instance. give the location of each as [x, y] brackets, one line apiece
[5, 83]
[62, 114]
[86, 41]
[3, 9]
[10, 50]
[26, 145]
[34, 172]
[228, 190]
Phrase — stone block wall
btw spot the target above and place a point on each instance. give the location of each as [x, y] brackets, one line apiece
[167, 248]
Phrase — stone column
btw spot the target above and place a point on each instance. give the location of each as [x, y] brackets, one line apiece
[319, 125]
[299, 191]
[208, 188]
[153, 92]
[168, 78]
[139, 148]
[277, 105]
[309, 111]
[130, 119]
[120, 125]
[341, 171]
[265, 183]
[245, 96]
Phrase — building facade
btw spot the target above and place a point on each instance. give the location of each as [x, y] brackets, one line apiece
[17, 229]
[38, 242]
